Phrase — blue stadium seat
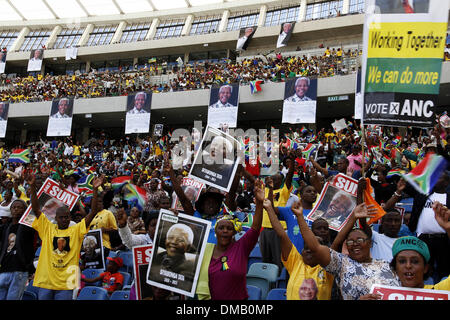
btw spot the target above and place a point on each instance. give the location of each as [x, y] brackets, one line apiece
[254, 292]
[91, 274]
[28, 295]
[429, 281]
[262, 275]
[276, 294]
[406, 203]
[282, 279]
[93, 293]
[126, 278]
[120, 295]
[127, 257]
[255, 256]
[38, 252]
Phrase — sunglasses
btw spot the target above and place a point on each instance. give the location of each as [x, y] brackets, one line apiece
[357, 241]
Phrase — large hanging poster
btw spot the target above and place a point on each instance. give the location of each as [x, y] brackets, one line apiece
[138, 113]
[300, 100]
[60, 119]
[223, 107]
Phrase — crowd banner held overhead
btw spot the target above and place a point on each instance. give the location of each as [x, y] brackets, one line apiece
[223, 106]
[339, 125]
[92, 255]
[336, 202]
[191, 189]
[50, 197]
[137, 119]
[402, 60]
[285, 34]
[300, 101]
[4, 110]
[60, 118]
[216, 160]
[141, 259]
[177, 270]
[405, 293]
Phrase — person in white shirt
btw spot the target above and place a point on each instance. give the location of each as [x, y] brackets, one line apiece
[383, 240]
[139, 102]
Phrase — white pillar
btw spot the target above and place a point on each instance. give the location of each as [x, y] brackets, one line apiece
[302, 14]
[85, 37]
[224, 21]
[262, 15]
[20, 38]
[187, 25]
[119, 31]
[152, 31]
[52, 39]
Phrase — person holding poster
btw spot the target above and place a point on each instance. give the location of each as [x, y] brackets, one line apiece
[57, 273]
[285, 34]
[299, 104]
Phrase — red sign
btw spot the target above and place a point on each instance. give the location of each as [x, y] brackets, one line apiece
[141, 258]
[403, 293]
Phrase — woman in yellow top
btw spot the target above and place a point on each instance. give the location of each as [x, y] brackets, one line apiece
[307, 279]
[104, 220]
[411, 256]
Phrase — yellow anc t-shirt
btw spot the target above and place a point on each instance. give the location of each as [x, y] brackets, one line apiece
[299, 271]
[280, 198]
[443, 285]
[58, 264]
[104, 219]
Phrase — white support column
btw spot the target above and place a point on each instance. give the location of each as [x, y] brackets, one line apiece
[187, 25]
[302, 14]
[152, 31]
[224, 21]
[52, 39]
[262, 15]
[119, 31]
[85, 37]
[345, 7]
[20, 38]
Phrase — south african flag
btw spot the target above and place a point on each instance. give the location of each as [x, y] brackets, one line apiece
[20, 156]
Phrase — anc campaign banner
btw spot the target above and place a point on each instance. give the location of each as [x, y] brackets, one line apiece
[402, 60]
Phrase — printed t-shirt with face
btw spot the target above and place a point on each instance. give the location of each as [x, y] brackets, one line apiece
[111, 281]
[104, 219]
[59, 258]
[280, 198]
[299, 271]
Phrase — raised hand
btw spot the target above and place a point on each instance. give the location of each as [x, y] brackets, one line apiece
[297, 209]
[442, 215]
[267, 204]
[98, 181]
[259, 190]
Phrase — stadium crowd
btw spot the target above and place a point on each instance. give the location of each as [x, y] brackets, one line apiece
[320, 262]
[198, 75]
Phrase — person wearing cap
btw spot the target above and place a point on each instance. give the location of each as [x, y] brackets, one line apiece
[56, 274]
[16, 254]
[112, 279]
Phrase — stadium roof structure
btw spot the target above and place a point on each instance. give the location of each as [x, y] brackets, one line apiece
[28, 10]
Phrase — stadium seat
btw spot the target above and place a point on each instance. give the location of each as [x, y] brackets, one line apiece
[120, 295]
[28, 295]
[127, 257]
[282, 279]
[126, 278]
[255, 256]
[93, 293]
[262, 275]
[430, 280]
[276, 294]
[254, 292]
[406, 203]
[91, 274]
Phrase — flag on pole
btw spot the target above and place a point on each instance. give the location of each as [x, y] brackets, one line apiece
[20, 156]
[427, 172]
[119, 182]
[85, 185]
[308, 150]
[396, 172]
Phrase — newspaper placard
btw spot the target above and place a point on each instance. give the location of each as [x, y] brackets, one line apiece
[60, 119]
[176, 259]
[4, 110]
[141, 260]
[137, 119]
[92, 255]
[35, 62]
[191, 189]
[50, 197]
[217, 160]
[223, 107]
[300, 101]
[404, 293]
[336, 202]
[402, 60]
